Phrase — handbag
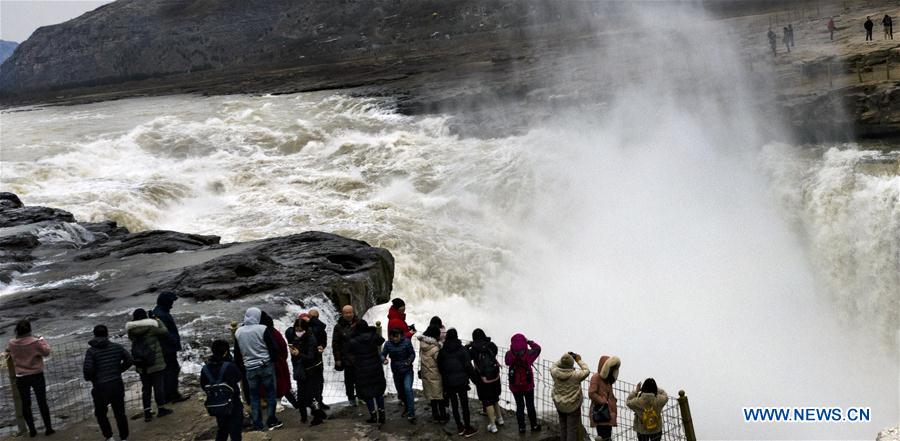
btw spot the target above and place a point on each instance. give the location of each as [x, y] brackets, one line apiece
[600, 413]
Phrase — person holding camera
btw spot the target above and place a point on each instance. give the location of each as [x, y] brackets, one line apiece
[567, 394]
[603, 400]
[397, 318]
[647, 401]
[27, 353]
[520, 357]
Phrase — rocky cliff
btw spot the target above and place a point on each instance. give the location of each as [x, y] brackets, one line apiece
[6, 49]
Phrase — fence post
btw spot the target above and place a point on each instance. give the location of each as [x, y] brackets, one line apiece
[17, 400]
[686, 417]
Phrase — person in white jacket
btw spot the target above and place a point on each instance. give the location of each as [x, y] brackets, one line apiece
[647, 401]
[567, 393]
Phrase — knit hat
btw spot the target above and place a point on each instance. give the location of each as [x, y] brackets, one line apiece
[567, 361]
[397, 303]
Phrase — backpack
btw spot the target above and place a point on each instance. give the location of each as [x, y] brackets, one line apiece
[219, 395]
[650, 418]
[519, 372]
[143, 355]
[487, 365]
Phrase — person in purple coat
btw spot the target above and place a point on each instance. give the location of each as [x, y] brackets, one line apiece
[520, 357]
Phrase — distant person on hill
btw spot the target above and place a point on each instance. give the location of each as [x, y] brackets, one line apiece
[397, 318]
[340, 349]
[432, 387]
[790, 29]
[567, 394]
[603, 399]
[786, 39]
[771, 35]
[364, 346]
[402, 356]
[868, 25]
[483, 353]
[647, 401]
[520, 357]
[170, 346]
[831, 27]
[27, 353]
[145, 335]
[456, 370]
[220, 366]
[888, 24]
[104, 363]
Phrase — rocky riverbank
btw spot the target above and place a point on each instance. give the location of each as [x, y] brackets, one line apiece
[59, 271]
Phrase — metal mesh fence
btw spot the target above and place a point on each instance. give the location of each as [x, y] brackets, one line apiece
[69, 395]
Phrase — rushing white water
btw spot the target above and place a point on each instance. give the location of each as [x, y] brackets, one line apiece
[662, 228]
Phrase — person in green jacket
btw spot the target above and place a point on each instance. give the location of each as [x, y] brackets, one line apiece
[647, 401]
[567, 395]
[145, 334]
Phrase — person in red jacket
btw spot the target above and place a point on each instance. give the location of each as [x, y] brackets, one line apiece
[279, 358]
[521, 355]
[601, 393]
[397, 318]
[27, 353]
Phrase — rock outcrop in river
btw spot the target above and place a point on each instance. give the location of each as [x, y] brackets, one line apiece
[53, 267]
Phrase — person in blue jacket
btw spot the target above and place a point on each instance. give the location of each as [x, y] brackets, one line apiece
[399, 351]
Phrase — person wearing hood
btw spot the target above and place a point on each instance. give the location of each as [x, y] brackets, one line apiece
[340, 349]
[279, 362]
[27, 353]
[520, 357]
[402, 356]
[364, 348]
[601, 394]
[397, 318]
[647, 401]
[170, 346]
[567, 394]
[104, 363]
[255, 348]
[145, 334]
[320, 331]
[456, 370]
[483, 353]
[306, 356]
[432, 387]
[232, 424]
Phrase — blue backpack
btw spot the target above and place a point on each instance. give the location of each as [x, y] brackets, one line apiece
[219, 395]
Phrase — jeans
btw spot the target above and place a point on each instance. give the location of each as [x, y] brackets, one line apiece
[230, 425]
[523, 400]
[404, 382]
[170, 375]
[25, 384]
[371, 402]
[569, 424]
[350, 382]
[153, 386]
[262, 376]
[460, 400]
[651, 437]
[106, 394]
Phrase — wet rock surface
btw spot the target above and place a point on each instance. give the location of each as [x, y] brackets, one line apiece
[65, 271]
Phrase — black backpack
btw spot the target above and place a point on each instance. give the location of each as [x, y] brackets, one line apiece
[143, 355]
[219, 395]
[487, 365]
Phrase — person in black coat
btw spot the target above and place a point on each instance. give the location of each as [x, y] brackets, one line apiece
[483, 353]
[309, 372]
[227, 425]
[320, 331]
[456, 370]
[364, 347]
[104, 363]
[868, 25]
[170, 346]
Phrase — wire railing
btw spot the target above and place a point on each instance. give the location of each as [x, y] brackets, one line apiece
[70, 401]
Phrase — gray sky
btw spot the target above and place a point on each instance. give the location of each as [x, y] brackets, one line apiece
[19, 18]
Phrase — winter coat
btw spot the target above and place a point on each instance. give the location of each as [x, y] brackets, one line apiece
[279, 358]
[340, 340]
[602, 392]
[105, 361]
[308, 358]
[868, 25]
[488, 393]
[402, 355]
[255, 342]
[432, 387]
[520, 357]
[638, 400]
[397, 320]
[152, 332]
[363, 348]
[567, 386]
[162, 311]
[318, 329]
[28, 354]
[455, 366]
